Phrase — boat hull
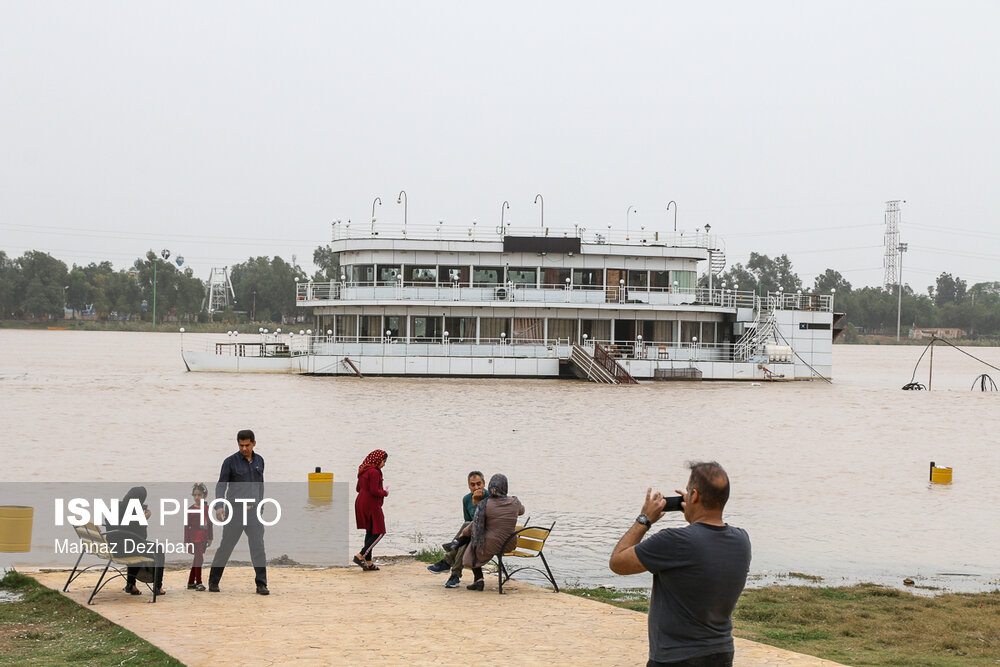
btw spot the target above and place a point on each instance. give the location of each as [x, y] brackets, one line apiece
[217, 363]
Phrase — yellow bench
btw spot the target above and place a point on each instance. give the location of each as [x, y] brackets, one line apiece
[526, 542]
[95, 543]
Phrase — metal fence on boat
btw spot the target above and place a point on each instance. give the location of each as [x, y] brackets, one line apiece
[309, 293]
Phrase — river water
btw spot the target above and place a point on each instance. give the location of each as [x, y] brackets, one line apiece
[829, 480]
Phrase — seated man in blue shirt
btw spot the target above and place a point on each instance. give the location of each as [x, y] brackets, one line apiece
[698, 571]
[453, 553]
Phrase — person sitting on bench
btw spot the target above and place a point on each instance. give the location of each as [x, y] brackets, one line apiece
[129, 538]
[492, 526]
[453, 556]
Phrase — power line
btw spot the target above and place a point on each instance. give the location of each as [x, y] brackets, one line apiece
[99, 233]
[950, 230]
[802, 230]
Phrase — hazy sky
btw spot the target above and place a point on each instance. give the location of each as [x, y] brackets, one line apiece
[225, 130]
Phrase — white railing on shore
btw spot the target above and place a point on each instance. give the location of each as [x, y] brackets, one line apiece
[633, 236]
[308, 294]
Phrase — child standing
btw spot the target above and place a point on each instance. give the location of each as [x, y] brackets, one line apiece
[197, 534]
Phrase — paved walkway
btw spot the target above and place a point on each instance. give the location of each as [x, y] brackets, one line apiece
[399, 615]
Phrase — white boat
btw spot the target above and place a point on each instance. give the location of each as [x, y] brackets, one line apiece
[617, 310]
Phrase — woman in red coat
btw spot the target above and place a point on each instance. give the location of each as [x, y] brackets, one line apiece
[368, 506]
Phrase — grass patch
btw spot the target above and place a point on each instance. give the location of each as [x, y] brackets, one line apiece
[636, 599]
[806, 577]
[46, 628]
[858, 625]
[430, 555]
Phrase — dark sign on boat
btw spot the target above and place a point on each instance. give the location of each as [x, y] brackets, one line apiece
[544, 244]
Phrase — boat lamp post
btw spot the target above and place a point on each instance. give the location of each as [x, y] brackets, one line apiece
[402, 199]
[377, 200]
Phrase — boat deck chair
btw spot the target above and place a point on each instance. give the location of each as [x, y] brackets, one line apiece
[526, 542]
[94, 543]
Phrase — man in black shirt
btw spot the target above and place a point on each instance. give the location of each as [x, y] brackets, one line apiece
[698, 571]
[241, 482]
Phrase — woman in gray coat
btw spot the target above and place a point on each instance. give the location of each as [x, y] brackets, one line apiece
[493, 524]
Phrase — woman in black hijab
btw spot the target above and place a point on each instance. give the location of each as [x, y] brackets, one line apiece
[130, 539]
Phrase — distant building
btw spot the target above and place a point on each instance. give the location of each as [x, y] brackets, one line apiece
[939, 332]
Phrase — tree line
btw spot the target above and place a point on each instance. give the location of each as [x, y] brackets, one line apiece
[38, 285]
[949, 302]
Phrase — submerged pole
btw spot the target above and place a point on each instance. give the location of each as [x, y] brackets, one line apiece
[930, 374]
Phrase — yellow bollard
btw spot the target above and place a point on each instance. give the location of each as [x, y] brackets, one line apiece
[15, 528]
[940, 475]
[320, 485]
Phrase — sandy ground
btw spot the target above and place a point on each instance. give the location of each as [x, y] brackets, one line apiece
[399, 615]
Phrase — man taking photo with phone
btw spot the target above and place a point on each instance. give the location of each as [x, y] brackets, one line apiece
[699, 572]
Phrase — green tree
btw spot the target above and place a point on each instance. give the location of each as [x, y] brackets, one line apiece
[266, 287]
[8, 285]
[735, 275]
[328, 262]
[831, 280]
[948, 289]
[770, 274]
[117, 292]
[177, 292]
[41, 285]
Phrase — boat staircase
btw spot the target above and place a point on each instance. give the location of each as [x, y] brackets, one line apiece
[600, 367]
[718, 263]
[758, 333]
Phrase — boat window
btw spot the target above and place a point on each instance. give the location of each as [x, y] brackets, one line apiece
[562, 330]
[389, 274]
[451, 274]
[421, 274]
[523, 276]
[370, 326]
[425, 329]
[660, 279]
[393, 324]
[490, 328]
[596, 329]
[588, 277]
[689, 330]
[685, 279]
[555, 277]
[460, 329]
[663, 332]
[646, 329]
[363, 273]
[528, 328]
[485, 276]
[707, 332]
[638, 278]
[347, 327]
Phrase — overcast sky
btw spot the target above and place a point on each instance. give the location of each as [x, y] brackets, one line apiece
[225, 130]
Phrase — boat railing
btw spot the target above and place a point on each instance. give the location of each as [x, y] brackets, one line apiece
[603, 235]
[798, 301]
[438, 346]
[663, 350]
[309, 294]
[291, 345]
